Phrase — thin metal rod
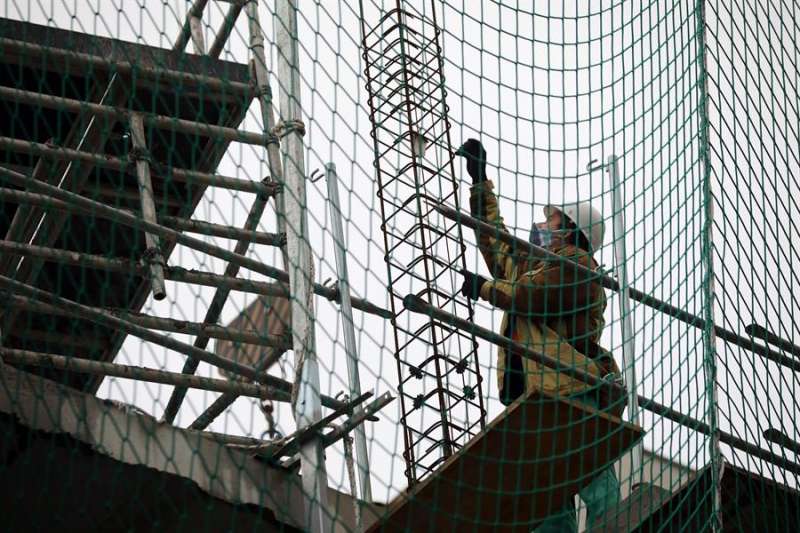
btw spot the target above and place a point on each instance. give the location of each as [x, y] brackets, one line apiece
[292, 443]
[418, 305]
[217, 304]
[101, 368]
[360, 416]
[180, 175]
[626, 316]
[764, 334]
[138, 70]
[152, 254]
[232, 440]
[107, 319]
[225, 30]
[163, 324]
[307, 410]
[611, 284]
[190, 127]
[185, 34]
[348, 327]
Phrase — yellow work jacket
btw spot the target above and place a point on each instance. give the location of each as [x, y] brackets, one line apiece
[549, 307]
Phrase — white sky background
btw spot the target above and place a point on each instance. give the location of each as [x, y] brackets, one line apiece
[547, 92]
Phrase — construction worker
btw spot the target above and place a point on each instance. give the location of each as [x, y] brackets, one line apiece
[552, 309]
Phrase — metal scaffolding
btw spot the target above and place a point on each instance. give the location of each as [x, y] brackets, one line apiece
[163, 218]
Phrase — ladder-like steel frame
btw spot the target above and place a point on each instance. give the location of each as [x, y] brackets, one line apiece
[437, 365]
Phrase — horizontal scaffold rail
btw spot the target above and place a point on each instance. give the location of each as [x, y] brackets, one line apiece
[13, 287]
[70, 200]
[102, 368]
[418, 305]
[173, 325]
[177, 274]
[182, 175]
[91, 61]
[191, 127]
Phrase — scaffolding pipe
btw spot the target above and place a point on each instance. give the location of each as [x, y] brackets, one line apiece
[195, 12]
[177, 274]
[340, 431]
[217, 304]
[49, 151]
[226, 232]
[163, 324]
[307, 408]
[196, 26]
[612, 284]
[223, 402]
[152, 253]
[764, 334]
[106, 319]
[292, 443]
[348, 327]
[418, 305]
[225, 30]
[122, 217]
[126, 68]
[626, 317]
[101, 368]
[190, 127]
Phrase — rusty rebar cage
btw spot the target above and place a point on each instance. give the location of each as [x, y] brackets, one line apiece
[439, 379]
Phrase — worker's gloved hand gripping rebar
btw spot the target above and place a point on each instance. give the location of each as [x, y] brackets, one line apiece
[475, 155]
[471, 288]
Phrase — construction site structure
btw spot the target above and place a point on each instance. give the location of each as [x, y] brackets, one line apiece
[100, 183]
[109, 149]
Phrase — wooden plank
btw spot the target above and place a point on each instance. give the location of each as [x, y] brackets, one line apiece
[524, 466]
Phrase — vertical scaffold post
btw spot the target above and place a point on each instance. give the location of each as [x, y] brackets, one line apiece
[362, 459]
[628, 341]
[307, 407]
[153, 246]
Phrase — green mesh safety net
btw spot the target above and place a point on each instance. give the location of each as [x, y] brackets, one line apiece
[398, 265]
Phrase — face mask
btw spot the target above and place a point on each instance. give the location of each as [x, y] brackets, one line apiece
[543, 237]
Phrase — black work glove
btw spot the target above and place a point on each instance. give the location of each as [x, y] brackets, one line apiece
[473, 151]
[471, 287]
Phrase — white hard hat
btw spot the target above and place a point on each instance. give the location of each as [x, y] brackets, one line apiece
[588, 220]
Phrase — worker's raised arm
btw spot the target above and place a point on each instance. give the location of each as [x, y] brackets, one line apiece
[558, 288]
[496, 253]
[483, 204]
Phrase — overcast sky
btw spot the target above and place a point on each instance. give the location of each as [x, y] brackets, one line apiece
[547, 92]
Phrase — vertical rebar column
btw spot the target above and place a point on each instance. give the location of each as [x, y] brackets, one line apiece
[307, 407]
[628, 339]
[348, 327]
[439, 378]
[152, 253]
